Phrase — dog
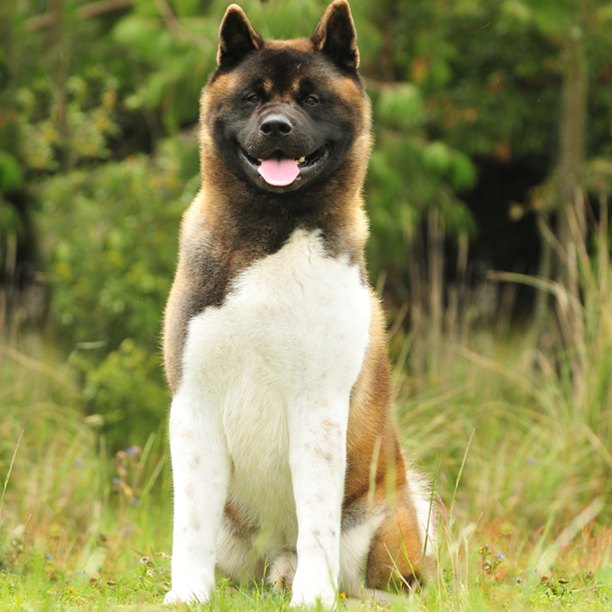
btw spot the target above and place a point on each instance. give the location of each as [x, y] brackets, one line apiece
[286, 462]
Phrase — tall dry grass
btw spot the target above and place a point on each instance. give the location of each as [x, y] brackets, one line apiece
[64, 498]
[518, 430]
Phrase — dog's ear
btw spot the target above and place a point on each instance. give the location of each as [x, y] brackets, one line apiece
[336, 37]
[237, 38]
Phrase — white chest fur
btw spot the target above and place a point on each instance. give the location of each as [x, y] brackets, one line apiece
[270, 373]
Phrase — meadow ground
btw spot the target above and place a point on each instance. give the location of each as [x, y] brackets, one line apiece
[522, 482]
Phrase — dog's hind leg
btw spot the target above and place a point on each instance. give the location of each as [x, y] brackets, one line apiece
[282, 571]
[398, 553]
[395, 554]
[236, 556]
[360, 523]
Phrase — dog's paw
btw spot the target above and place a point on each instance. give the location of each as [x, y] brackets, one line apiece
[310, 598]
[308, 595]
[173, 597]
[314, 582]
[282, 572]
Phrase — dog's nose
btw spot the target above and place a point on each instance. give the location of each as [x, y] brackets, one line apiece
[276, 126]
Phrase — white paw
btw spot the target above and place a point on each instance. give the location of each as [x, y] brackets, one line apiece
[312, 598]
[282, 572]
[173, 597]
[309, 590]
[314, 582]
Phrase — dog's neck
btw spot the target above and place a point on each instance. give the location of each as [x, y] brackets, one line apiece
[249, 215]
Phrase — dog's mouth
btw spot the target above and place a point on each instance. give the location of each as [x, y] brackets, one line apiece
[280, 170]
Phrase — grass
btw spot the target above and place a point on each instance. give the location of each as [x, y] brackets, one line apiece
[522, 499]
[518, 431]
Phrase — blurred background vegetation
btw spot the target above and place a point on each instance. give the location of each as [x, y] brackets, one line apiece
[488, 196]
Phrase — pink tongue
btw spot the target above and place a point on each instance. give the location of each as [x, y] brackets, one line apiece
[279, 172]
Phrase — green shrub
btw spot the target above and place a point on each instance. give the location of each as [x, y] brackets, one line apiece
[110, 241]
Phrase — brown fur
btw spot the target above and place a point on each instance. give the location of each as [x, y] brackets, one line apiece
[232, 224]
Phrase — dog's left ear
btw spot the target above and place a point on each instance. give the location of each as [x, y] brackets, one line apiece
[237, 38]
[336, 37]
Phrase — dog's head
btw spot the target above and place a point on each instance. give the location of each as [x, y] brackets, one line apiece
[286, 115]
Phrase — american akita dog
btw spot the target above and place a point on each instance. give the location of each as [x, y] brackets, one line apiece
[285, 458]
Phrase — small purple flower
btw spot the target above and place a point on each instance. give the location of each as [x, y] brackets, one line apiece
[530, 461]
[134, 501]
[50, 557]
[130, 451]
[501, 556]
[116, 480]
[79, 463]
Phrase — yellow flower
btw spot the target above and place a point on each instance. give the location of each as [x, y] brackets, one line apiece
[342, 595]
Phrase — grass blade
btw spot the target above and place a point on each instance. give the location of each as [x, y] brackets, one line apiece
[460, 473]
[6, 480]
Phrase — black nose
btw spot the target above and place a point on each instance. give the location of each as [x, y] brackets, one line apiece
[276, 126]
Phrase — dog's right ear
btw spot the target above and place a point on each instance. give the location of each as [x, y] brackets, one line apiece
[237, 38]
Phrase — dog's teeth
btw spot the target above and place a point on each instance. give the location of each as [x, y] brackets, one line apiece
[301, 160]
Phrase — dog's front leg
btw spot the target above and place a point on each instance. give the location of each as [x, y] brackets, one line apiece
[318, 465]
[200, 467]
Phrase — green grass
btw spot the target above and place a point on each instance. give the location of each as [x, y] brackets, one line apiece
[523, 499]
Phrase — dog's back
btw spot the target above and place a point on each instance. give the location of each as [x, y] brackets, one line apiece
[284, 454]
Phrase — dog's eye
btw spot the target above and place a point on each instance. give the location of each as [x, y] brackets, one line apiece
[253, 99]
[311, 100]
